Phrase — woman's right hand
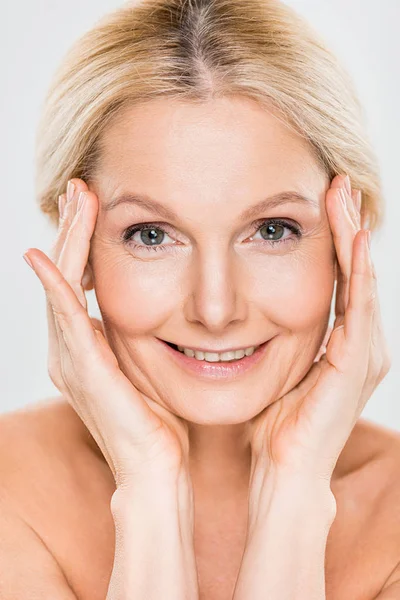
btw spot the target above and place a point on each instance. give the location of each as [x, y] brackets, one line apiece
[137, 436]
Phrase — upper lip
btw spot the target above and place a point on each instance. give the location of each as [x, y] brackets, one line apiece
[219, 351]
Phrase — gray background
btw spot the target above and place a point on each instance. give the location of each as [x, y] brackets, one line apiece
[35, 36]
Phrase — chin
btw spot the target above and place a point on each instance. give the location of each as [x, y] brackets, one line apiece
[217, 408]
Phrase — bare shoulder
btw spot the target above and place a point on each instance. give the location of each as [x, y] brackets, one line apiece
[28, 433]
[45, 458]
[379, 480]
[25, 435]
[46, 498]
[370, 445]
[366, 485]
[382, 473]
[368, 470]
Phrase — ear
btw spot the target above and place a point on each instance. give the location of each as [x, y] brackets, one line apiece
[87, 279]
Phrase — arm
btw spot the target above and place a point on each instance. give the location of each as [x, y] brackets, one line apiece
[284, 558]
[307, 428]
[154, 552]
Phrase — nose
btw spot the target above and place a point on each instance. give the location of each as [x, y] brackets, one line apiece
[216, 297]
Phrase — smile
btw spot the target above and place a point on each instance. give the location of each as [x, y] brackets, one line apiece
[212, 356]
[214, 365]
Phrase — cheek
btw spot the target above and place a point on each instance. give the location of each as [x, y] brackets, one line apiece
[134, 297]
[296, 295]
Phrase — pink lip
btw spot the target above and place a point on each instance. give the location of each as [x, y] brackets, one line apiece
[222, 370]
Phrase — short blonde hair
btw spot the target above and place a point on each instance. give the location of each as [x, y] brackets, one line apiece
[197, 50]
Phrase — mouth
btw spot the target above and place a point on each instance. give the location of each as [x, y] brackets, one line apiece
[200, 355]
[215, 369]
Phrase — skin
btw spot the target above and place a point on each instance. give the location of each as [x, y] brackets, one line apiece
[248, 154]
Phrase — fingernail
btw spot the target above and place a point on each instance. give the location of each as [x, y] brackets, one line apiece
[25, 257]
[70, 190]
[347, 183]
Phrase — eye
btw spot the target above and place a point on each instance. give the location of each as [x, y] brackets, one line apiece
[150, 234]
[272, 232]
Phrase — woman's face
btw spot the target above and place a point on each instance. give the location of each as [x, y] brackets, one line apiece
[211, 279]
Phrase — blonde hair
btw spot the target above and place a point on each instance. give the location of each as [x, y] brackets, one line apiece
[197, 50]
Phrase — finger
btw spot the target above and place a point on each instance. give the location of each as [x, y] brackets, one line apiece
[339, 183]
[350, 205]
[358, 320]
[379, 360]
[53, 342]
[96, 369]
[339, 299]
[72, 317]
[356, 196]
[75, 252]
[76, 339]
[341, 238]
[344, 231]
[359, 206]
[69, 201]
[343, 182]
[67, 208]
[53, 330]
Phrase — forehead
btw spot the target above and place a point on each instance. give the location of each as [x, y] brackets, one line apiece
[226, 145]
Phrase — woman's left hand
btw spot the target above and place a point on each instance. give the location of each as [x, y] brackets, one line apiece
[305, 431]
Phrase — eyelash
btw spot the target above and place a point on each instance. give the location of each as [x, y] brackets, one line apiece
[129, 233]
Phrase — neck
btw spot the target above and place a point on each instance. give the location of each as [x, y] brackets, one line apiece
[219, 455]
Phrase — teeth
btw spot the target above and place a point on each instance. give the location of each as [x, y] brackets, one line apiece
[217, 356]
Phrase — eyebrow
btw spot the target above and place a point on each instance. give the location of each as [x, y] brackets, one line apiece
[152, 205]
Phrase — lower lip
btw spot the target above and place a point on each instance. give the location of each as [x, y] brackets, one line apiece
[220, 370]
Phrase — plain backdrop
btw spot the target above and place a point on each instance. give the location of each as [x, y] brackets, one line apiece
[35, 36]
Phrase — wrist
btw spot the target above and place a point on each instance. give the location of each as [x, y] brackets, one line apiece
[294, 494]
[153, 534]
[154, 496]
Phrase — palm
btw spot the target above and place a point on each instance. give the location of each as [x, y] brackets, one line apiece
[294, 431]
[168, 440]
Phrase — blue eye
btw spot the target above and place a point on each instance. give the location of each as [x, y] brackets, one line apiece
[149, 234]
[152, 234]
[272, 227]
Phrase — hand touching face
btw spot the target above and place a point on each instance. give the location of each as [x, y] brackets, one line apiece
[303, 432]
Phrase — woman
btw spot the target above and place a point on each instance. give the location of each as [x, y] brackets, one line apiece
[199, 151]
